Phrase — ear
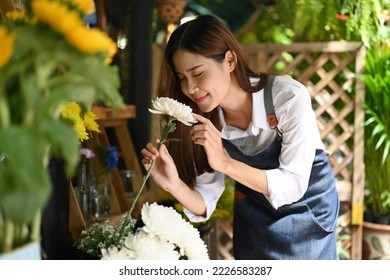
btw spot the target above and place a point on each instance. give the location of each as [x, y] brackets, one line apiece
[231, 60]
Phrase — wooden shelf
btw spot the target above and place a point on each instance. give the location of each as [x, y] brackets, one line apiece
[103, 113]
[113, 124]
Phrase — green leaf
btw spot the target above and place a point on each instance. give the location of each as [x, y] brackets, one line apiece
[106, 89]
[370, 120]
[65, 142]
[382, 138]
[386, 152]
[24, 181]
[376, 244]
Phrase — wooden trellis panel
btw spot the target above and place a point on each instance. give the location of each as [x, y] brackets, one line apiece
[329, 70]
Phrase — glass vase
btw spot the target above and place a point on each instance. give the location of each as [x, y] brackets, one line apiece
[105, 192]
[82, 191]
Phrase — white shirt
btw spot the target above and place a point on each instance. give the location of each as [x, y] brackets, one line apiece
[301, 138]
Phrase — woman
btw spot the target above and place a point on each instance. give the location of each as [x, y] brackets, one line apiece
[286, 203]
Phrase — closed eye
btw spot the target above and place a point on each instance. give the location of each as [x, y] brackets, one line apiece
[181, 78]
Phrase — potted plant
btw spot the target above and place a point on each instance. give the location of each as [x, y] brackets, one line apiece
[377, 154]
[48, 57]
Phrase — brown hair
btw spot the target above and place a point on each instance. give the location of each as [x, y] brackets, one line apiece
[209, 37]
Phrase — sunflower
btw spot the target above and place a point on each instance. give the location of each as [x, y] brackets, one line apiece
[7, 45]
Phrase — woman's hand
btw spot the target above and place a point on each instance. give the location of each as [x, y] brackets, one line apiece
[207, 135]
[164, 172]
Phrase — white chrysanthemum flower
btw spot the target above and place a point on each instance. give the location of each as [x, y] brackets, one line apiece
[142, 246]
[147, 247]
[113, 253]
[165, 236]
[173, 108]
[166, 223]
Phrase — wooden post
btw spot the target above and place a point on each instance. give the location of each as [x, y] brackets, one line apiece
[358, 162]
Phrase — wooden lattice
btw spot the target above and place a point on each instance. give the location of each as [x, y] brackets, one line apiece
[329, 70]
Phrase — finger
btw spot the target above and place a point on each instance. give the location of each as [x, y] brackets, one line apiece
[150, 152]
[152, 149]
[199, 134]
[164, 153]
[146, 162]
[200, 141]
[146, 154]
[200, 118]
[206, 125]
[208, 133]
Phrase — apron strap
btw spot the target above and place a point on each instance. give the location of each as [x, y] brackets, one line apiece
[269, 106]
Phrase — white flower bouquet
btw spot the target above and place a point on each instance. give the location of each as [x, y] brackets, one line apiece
[164, 236]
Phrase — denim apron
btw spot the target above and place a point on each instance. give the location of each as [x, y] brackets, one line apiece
[303, 230]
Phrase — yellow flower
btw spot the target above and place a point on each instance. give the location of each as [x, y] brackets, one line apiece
[90, 121]
[71, 111]
[92, 40]
[56, 15]
[7, 45]
[73, 28]
[80, 129]
[17, 15]
[83, 123]
[87, 6]
[21, 17]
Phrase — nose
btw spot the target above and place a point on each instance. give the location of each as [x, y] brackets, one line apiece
[192, 87]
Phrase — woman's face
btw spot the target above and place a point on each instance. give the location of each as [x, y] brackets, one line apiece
[205, 81]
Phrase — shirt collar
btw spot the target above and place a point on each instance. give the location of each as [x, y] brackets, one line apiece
[259, 116]
[259, 119]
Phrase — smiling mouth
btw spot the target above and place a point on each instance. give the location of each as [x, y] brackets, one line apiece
[200, 99]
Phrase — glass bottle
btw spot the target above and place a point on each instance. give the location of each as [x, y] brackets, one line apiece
[82, 190]
[105, 192]
[95, 198]
[128, 180]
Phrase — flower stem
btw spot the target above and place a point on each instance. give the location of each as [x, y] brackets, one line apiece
[5, 118]
[167, 129]
[36, 227]
[144, 180]
[8, 236]
[128, 215]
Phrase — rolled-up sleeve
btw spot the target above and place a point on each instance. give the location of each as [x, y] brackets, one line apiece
[301, 138]
[211, 187]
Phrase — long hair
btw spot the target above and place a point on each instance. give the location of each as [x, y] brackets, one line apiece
[209, 37]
